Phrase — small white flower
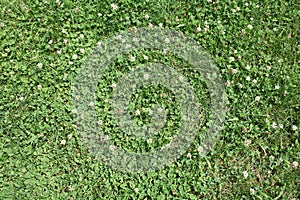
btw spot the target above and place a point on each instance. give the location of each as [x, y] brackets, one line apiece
[160, 110]
[145, 57]
[147, 16]
[250, 26]
[99, 122]
[272, 157]
[58, 52]
[132, 58]
[114, 6]
[200, 149]
[146, 76]
[254, 81]
[277, 87]
[39, 87]
[189, 155]
[257, 98]
[50, 42]
[227, 83]
[40, 65]
[167, 40]
[160, 24]
[245, 174]
[209, 1]
[65, 42]
[149, 141]
[21, 98]
[280, 126]
[231, 59]
[247, 142]
[135, 39]
[69, 136]
[91, 104]
[233, 71]
[82, 51]
[252, 191]
[99, 14]
[295, 164]
[294, 128]
[63, 142]
[238, 8]
[99, 44]
[137, 112]
[136, 190]
[70, 63]
[274, 125]
[251, 18]
[74, 110]
[74, 56]
[181, 78]
[248, 78]
[199, 29]
[113, 85]
[150, 25]
[150, 112]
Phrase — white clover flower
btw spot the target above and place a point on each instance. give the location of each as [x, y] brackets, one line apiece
[39, 87]
[257, 98]
[137, 112]
[99, 44]
[145, 57]
[254, 81]
[252, 191]
[150, 112]
[99, 14]
[160, 110]
[65, 41]
[189, 155]
[248, 78]
[136, 190]
[231, 59]
[227, 83]
[91, 104]
[74, 110]
[160, 24]
[199, 29]
[132, 58]
[70, 63]
[167, 40]
[238, 8]
[150, 25]
[277, 87]
[294, 128]
[181, 78]
[114, 6]
[113, 85]
[245, 174]
[200, 149]
[21, 98]
[149, 141]
[99, 122]
[82, 51]
[250, 26]
[146, 76]
[147, 16]
[233, 71]
[74, 57]
[58, 52]
[295, 164]
[63, 142]
[247, 142]
[40, 65]
[274, 125]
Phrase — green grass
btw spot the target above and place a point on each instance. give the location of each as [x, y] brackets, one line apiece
[259, 135]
